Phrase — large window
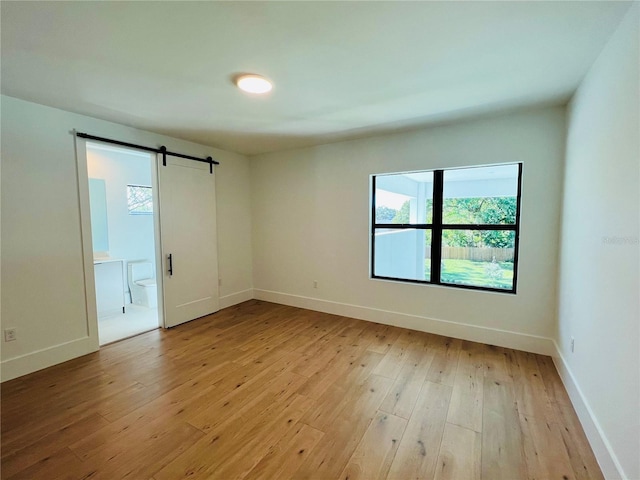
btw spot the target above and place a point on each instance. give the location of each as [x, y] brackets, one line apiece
[456, 227]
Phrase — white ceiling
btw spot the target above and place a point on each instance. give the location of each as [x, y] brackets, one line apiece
[341, 69]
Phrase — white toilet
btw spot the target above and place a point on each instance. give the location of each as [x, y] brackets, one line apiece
[142, 284]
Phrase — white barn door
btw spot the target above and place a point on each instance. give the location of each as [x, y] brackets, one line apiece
[189, 242]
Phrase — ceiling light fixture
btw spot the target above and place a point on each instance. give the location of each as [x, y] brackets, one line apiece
[252, 83]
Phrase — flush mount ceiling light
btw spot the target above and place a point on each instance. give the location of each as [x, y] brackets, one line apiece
[252, 83]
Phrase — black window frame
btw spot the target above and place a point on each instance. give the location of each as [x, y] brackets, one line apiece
[436, 228]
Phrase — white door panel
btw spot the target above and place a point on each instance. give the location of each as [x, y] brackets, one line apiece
[188, 233]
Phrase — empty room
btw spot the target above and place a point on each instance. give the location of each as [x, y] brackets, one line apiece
[320, 240]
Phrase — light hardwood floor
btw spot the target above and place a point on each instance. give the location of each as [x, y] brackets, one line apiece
[265, 391]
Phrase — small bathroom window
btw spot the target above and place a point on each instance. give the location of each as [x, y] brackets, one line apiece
[139, 200]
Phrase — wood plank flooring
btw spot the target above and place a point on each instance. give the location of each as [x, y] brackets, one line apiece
[265, 391]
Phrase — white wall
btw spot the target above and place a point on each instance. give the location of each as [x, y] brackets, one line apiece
[42, 271]
[599, 286]
[400, 254]
[311, 222]
[131, 237]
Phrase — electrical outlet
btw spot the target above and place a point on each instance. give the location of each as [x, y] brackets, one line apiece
[573, 344]
[10, 335]
[315, 284]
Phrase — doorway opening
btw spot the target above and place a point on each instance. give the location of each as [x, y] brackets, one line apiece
[125, 236]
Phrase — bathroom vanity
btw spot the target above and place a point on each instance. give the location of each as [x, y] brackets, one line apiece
[109, 277]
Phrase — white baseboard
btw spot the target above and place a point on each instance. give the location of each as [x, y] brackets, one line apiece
[235, 298]
[47, 357]
[34, 361]
[611, 468]
[491, 336]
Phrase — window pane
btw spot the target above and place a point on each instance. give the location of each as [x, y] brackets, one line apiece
[404, 198]
[481, 195]
[139, 200]
[482, 258]
[403, 253]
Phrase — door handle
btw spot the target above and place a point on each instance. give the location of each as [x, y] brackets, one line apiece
[170, 258]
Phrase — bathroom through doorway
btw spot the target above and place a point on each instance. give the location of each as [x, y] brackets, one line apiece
[125, 236]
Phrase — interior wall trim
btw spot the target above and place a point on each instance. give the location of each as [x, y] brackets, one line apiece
[236, 298]
[32, 362]
[475, 333]
[48, 357]
[606, 457]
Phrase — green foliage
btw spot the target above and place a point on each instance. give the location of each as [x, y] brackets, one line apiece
[485, 210]
[478, 238]
[385, 214]
[498, 239]
[480, 274]
[491, 210]
[429, 210]
[480, 210]
[461, 238]
[402, 216]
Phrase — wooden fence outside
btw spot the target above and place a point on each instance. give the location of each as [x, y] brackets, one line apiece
[478, 254]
